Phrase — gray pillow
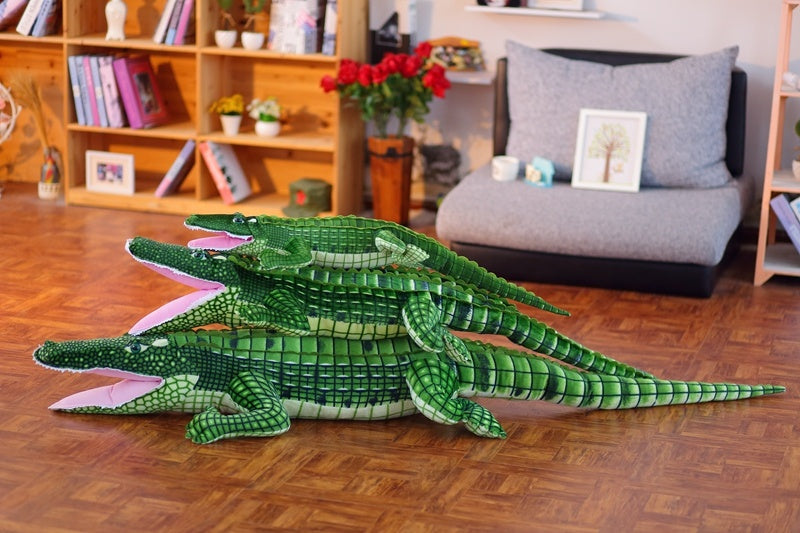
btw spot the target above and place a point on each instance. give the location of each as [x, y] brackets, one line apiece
[686, 101]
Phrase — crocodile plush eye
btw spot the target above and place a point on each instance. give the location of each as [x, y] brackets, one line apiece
[238, 218]
[135, 347]
[200, 254]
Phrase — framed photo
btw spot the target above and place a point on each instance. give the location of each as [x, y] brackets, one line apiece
[609, 150]
[109, 172]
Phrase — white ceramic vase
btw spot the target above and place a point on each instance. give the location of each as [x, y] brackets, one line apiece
[230, 124]
[267, 129]
[252, 40]
[116, 10]
[225, 38]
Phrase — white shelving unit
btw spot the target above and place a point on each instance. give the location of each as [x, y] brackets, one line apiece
[535, 12]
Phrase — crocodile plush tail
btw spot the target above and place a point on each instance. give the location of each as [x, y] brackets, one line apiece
[540, 379]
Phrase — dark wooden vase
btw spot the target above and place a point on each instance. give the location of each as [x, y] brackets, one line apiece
[390, 162]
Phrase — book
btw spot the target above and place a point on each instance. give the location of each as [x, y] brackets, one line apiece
[28, 18]
[11, 11]
[178, 171]
[90, 92]
[187, 11]
[141, 97]
[48, 19]
[85, 100]
[163, 22]
[329, 28]
[780, 205]
[72, 66]
[98, 90]
[795, 206]
[173, 22]
[225, 170]
[116, 117]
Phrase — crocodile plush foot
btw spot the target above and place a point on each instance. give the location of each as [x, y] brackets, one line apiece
[265, 417]
[434, 384]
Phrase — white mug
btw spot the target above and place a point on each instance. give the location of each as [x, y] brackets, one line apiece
[505, 167]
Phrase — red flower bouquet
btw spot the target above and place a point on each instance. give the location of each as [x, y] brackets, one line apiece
[401, 85]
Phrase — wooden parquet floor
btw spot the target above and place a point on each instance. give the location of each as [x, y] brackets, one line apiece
[712, 467]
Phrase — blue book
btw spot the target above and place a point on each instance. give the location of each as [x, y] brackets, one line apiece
[780, 204]
[72, 63]
[98, 90]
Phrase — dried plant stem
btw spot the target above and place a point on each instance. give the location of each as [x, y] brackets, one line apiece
[27, 94]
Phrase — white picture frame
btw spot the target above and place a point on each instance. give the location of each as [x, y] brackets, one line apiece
[621, 169]
[109, 172]
[571, 5]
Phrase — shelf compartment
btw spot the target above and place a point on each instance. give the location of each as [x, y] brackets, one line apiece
[782, 258]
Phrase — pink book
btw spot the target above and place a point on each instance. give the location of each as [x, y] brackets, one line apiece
[126, 92]
[230, 182]
[87, 69]
[110, 92]
[183, 23]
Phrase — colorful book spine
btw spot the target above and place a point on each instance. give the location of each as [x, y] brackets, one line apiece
[178, 171]
[163, 22]
[98, 91]
[780, 204]
[85, 99]
[127, 93]
[10, 11]
[47, 21]
[173, 22]
[183, 23]
[72, 65]
[225, 170]
[329, 28]
[116, 118]
[28, 18]
[87, 72]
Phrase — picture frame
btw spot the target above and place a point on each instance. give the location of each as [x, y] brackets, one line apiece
[571, 5]
[609, 150]
[109, 172]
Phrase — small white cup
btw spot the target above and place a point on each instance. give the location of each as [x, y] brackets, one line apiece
[505, 167]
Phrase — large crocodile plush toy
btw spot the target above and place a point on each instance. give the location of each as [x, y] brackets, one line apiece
[353, 304]
[262, 381]
[346, 242]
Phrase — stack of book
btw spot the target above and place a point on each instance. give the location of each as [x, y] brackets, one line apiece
[111, 91]
[788, 212]
[176, 25]
[38, 18]
[225, 170]
[303, 26]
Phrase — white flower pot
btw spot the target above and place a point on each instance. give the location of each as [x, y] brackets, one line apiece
[796, 168]
[225, 38]
[230, 124]
[267, 129]
[252, 40]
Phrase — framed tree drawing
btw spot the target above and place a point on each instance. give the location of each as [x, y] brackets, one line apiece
[609, 150]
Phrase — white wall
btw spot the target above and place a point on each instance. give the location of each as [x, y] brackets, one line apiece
[676, 26]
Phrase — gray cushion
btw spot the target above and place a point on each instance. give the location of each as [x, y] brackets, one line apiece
[686, 102]
[655, 224]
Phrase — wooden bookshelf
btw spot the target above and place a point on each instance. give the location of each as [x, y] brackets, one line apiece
[321, 138]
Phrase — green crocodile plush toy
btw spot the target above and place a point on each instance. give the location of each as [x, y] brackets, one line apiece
[346, 242]
[353, 304]
[249, 382]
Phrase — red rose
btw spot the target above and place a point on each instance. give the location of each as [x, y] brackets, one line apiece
[365, 75]
[423, 50]
[328, 83]
[436, 80]
[379, 74]
[390, 63]
[410, 67]
[348, 71]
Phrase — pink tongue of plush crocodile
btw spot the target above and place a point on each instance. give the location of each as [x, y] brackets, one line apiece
[131, 387]
[220, 241]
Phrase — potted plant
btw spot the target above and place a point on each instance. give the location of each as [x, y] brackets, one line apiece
[251, 39]
[267, 114]
[225, 37]
[400, 88]
[229, 109]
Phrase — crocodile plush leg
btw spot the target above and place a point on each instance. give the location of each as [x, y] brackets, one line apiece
[265, 416]
[400, 253]
[296, 253]
[281, 311]
[434, 385]
[423, 322]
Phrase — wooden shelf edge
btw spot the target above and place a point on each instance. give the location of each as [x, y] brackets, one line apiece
[782, 259]
[534, 12]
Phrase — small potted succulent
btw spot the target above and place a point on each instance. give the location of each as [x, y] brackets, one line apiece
[267, 114]
[251, 39]
[229, 109]
[225, 36]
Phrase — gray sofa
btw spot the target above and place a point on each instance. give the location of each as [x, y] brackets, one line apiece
[670, 237]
